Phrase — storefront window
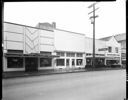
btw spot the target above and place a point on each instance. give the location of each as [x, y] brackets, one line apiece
[67, 62]
[99, 61]
[79, 62]
[60, 62]
[112, 62]
[45, 62]
[15, 62]
[73, 62]
[88, 61]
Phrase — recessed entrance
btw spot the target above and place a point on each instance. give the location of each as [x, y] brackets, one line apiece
[31, 64]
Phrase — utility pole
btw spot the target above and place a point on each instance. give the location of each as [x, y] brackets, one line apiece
[93, 22]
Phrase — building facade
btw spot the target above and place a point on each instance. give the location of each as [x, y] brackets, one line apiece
[106, 52]
[27, 48]
[121, 39]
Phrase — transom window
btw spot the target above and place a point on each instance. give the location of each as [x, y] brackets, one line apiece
[79, 55]
[70, 54]
[60, 54]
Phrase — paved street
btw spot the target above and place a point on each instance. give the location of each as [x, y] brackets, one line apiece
[96, 85]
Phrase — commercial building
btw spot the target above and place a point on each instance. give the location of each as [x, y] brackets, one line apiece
[106, 52]
[27, 48]
[33, 48]
[121, 39]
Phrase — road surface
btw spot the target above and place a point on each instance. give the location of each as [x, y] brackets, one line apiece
[96, 85]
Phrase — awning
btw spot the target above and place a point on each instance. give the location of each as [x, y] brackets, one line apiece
[13, 55]
[30, 55]
[112, 58]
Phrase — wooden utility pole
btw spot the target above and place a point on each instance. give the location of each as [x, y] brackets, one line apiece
[93, 22]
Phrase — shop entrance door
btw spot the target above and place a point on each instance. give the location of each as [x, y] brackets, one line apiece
[31, 64]
[67, 63]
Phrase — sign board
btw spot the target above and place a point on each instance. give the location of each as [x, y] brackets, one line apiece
[113, 55]
[103, 49]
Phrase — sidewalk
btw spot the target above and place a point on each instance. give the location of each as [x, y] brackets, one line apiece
[16, 74]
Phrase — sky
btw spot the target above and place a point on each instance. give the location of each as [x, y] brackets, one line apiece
[70, 16]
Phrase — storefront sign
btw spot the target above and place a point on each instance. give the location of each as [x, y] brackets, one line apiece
[113, 58]
[113, 55]
[103, 49]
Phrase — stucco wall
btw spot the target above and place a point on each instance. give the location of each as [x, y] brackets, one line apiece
[13, 36]
[98, 45]
[67, 41]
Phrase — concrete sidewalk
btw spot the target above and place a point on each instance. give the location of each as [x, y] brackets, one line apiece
[16, 74]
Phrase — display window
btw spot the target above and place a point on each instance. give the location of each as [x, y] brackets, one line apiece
[99, 61]
[14, 62]
[73, 62]
[67, 62]
[79, 62]
[45, 62]
[112, 62]
[88, 61]
[60, 62]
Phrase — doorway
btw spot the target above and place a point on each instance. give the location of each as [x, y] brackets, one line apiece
[31, 64]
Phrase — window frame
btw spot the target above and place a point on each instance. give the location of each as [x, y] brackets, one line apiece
[58, 64]
[17, 63]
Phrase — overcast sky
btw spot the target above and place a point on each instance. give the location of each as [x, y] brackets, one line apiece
[70, 16]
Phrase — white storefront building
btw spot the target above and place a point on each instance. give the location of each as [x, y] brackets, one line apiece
[106, 52]
[27, 48]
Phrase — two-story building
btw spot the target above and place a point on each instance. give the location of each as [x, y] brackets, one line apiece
[106, 52]
[121, 39]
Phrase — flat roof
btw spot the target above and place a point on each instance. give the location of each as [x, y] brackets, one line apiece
[27, 26]
[69, 31]
[43, 29]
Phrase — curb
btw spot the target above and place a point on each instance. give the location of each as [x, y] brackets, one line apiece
[39, 74]
[54, 73]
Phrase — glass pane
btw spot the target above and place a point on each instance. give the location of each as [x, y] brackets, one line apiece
[79, 61]
[67, 62]
[14, 62]
[45, 62]
[60, 62]
[73, 62]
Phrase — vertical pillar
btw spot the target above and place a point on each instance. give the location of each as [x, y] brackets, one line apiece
[54, 63]
[105, 61]
[38, 63]
[4, 63]
[24, 63]
[39, 41]
[24, 39]
[120, 60]
[84, 59]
